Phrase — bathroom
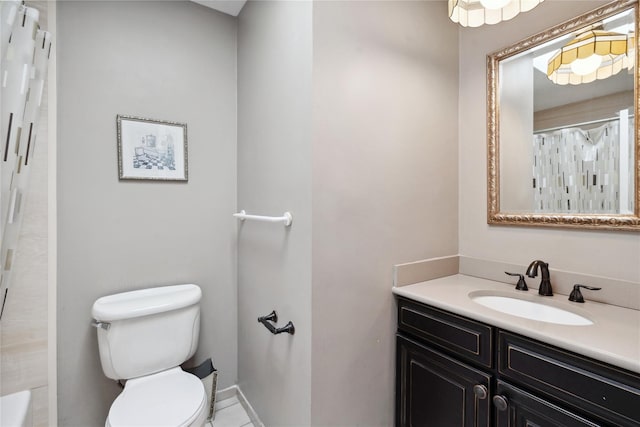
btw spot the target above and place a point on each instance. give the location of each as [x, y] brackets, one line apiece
[365, 120]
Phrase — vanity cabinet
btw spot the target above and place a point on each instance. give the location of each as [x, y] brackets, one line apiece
[433, 388]
[452, 370]
[599, 390]
[525, 409]
[438, 390]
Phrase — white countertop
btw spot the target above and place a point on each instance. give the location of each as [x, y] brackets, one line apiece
[614, 336]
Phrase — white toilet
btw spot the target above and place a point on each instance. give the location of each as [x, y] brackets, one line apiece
[143, 337]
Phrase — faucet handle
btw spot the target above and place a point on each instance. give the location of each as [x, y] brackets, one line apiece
[522, 285]
[576, 295]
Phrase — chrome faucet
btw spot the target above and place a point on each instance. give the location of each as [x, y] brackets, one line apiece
[545, 283]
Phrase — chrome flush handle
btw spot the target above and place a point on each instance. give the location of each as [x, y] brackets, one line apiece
[103, 325]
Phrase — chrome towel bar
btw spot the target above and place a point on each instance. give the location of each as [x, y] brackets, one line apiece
[286, 218]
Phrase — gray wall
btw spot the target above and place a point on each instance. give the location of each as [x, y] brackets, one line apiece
[608, 254]
[379, 166]
[274, 175]
[385, 187]
[163, 60]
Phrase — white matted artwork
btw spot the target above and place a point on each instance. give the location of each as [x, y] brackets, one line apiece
[152, 149]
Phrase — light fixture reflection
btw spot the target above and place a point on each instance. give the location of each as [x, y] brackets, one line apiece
[494, 4]
[592, 55]
[586, 66]
[473, 13]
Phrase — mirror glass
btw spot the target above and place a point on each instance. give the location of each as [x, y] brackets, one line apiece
[561, 124]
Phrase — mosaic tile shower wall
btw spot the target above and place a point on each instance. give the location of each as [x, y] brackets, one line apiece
[578, 171]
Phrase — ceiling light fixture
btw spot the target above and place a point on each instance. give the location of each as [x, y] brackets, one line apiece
[593, 54]
[473, 13]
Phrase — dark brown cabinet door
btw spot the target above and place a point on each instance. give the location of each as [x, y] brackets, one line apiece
[588, 386]
[517, 408]
[434, 390]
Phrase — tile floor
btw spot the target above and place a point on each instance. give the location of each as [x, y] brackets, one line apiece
[230, 413]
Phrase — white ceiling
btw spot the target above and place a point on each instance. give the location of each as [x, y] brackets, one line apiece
[230, 7]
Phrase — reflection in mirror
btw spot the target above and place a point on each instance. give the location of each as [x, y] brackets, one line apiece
[562, 104]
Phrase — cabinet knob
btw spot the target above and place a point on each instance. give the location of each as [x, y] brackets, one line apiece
[500, 402]
[480, 391]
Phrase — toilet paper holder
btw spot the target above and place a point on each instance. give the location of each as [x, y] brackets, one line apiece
[273, 317]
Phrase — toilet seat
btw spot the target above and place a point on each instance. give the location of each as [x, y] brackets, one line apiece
[170, 398]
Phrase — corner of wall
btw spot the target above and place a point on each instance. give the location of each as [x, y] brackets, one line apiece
[52, 223]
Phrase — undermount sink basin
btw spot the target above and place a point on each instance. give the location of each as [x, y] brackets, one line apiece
[540, 311]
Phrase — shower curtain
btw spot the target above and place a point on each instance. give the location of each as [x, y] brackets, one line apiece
[578, 171]
[24, 55]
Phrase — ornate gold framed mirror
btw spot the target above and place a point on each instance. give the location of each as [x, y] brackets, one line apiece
[562, 135]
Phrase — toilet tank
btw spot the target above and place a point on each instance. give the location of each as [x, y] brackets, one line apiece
[148, 330]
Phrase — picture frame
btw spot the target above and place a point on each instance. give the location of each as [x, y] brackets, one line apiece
[151, 149]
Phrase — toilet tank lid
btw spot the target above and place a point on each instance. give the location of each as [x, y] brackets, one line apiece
[145, 302]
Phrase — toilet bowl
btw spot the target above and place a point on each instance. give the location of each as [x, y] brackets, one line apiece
[169, 398]
[16, 410]
[143, 337]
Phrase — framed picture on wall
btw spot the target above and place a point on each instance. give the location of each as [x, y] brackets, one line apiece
[151, 149]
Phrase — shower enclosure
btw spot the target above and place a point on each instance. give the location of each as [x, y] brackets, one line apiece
[24, 55]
